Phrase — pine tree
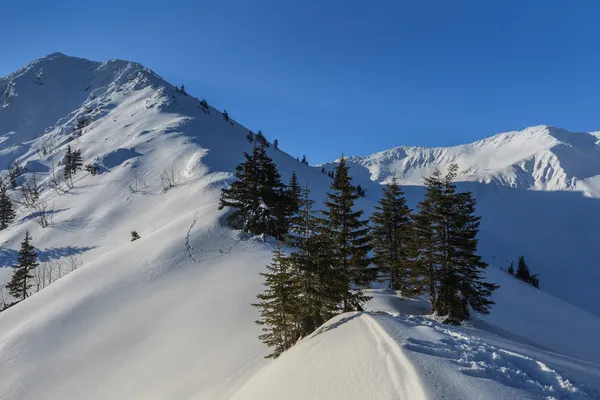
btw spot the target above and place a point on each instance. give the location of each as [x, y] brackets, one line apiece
[182, 90]
[135, 236]
[68, 163]
[465, 264]
[278, 305]
[390, 236]
[294, 194]
[524, 274]
[360, 191]
[7, 212]
[22, 276]
[204, 106]
[276, 144]
[319, 283]
[257, 196]
[76, 162]
[304, 160]
[511, 269]
[349, 235]
[261, 139]
[250, 136]
[225, 115]
[522, 270]
[447, 267]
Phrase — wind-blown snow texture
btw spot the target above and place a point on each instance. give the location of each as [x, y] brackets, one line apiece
[169, 315]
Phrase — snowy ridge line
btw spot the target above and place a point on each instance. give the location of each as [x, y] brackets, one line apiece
[477, 358]
[400, 370]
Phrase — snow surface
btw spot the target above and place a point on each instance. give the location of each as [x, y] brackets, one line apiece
[169, 315]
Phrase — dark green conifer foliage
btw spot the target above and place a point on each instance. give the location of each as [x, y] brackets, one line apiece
[511, 269]
[261, 139]
[447, 267]
[68, 162]
[319, 280]
[524, 274]
[21, 281]
[76, 162]
[225, 115]
[391, 230]
[349, 235]
[276, 144]
[7, 211]
[250, 136]
[304, 160]
[278, 305]
[257, 196]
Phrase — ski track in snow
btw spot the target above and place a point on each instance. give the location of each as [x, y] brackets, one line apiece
[401, 372]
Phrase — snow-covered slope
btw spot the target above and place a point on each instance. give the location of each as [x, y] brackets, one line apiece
[169, 315]
[391, 352]
[540, 157]
[538, 193]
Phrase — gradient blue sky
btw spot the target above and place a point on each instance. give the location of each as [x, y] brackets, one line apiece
[330, 76]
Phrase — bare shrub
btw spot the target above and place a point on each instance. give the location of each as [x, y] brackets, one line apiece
[169, 178]
[139, 184]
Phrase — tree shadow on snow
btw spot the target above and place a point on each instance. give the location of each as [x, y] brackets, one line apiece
[8, 257]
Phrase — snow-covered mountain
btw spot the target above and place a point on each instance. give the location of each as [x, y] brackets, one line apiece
[539, 158]
[169, 315]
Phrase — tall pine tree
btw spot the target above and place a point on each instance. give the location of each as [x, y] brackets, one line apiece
[7, 212]
[319, 283]
[257, 196]
[391, 229]
[21, 281]
[278, 305]
[349, 235]
[447, 267]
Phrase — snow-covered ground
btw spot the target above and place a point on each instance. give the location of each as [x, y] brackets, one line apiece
[169, 315]
[392, 353]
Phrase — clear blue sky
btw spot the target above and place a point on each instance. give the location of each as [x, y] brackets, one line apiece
[354, 76]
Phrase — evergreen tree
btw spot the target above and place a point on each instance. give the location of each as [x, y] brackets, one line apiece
[276, 144]
[182, 90]
[68, 162]
[466, 267]
[257, 196]
[22, 276]
[360, 191]
[135, 236]
[7, 212]
[511, 269]
[261, 139]
[225, 115]
[278, 305]
[390, 236]
[76, 162]
[319, 283]
[304, 160]
[250, 136]
[349, 235]
[524, 274]
[447, 267]
[204, 106]
[522, 270]
[294, 194]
